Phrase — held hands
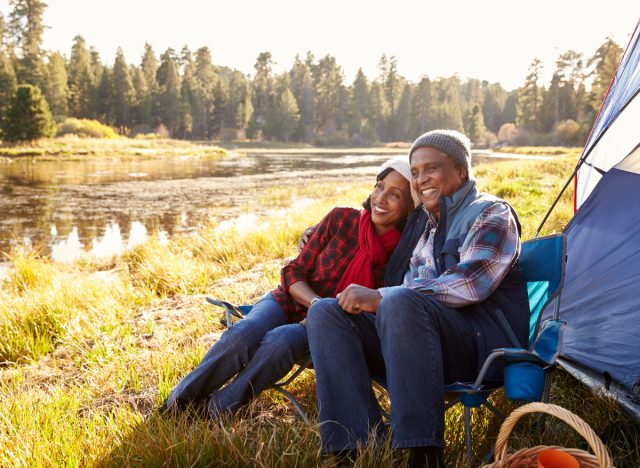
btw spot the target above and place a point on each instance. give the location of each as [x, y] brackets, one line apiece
[355, 299]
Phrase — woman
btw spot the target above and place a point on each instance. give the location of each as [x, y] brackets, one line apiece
[348, 246]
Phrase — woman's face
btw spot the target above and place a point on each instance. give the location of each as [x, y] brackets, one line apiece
[391, 202]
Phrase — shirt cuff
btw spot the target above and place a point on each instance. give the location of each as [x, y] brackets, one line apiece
[384, 291]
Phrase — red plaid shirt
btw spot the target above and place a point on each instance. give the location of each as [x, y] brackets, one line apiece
[323, 261]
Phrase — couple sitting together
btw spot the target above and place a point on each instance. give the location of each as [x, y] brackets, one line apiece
[414, 297]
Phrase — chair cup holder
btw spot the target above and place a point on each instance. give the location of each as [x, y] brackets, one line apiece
[524, 381]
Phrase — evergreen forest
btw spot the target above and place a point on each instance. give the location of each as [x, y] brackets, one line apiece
[185, 94]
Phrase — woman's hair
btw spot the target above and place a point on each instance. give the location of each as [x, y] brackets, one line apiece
[367, 203]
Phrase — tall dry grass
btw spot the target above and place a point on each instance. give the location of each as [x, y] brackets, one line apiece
[89, 351]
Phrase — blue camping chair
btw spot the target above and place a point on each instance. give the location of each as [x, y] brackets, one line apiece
[543, 262]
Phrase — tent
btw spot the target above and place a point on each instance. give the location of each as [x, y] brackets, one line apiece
[601, 295]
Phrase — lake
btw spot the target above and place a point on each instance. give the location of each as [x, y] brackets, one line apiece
[71, 208]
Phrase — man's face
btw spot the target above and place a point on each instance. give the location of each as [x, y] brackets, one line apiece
[434, 174]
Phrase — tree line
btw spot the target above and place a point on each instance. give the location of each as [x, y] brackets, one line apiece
[185, 94]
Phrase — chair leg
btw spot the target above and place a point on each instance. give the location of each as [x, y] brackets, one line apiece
[279, 387]
[293, 401]
[545, 397]
[495, 410]
[381, 393]
[467, 435]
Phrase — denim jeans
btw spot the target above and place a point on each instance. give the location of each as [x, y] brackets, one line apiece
[258, 350]
[414, 343]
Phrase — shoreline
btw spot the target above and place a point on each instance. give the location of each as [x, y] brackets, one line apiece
[128, 149]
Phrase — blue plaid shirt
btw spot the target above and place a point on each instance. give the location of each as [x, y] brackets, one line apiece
[486, 256]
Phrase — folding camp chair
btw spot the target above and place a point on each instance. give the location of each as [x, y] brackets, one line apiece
[231, 311]
[543, 262]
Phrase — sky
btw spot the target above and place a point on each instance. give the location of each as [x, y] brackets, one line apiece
[493, 40]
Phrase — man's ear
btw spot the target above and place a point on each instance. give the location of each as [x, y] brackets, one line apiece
[463, 173]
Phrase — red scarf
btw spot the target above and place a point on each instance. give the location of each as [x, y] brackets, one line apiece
[373, 251]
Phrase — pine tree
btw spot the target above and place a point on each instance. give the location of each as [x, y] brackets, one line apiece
[238, 108]
[206, 82]
[221, 100]
[603, 65]
[81, 80]
[359, 106]
[394, 87]
[549, 112]
[471, 95]
[560, 101]
[187, 94]
[391, 82]
[139, 110]
[403, 115]
[149, 68]
[27, 28]
[102, 96]
[262, 83]
[421, 109]
[3, 31]
[283, 116]
[493, 102]
[509, 112]
[475, 128]
[530, 97]
[378, 112]
[123, 93]
[169, 91]
[302, 88]
[28, 116]
[56, 90]
[447, 111]
[8, 80]
[329, 89]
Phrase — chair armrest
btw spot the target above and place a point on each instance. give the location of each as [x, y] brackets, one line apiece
[227, 306]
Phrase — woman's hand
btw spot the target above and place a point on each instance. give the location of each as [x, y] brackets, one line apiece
[355, 299]
[304, 238]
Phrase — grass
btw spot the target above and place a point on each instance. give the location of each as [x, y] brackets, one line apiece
[537, 150]
[90, 349]
[71, 148]
[246, 146]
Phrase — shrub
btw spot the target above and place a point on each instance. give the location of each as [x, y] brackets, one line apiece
[508, 133]
[568, 133]
[86, 128]
[28, 116]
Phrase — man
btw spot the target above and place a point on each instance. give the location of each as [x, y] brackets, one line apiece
[456, 292]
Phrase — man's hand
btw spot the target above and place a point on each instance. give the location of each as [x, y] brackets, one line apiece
[304, 238]
[355, 299]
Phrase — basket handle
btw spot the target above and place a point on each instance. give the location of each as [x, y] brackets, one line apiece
[600, 451]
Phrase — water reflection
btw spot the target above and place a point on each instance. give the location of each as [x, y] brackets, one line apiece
[69, 209]
[107, 245]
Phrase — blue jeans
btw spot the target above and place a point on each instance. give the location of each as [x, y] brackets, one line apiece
[413, 342]
[258, 350]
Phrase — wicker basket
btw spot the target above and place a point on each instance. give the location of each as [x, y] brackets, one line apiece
[527, 458]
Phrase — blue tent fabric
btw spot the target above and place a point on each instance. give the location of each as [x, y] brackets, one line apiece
[625, 85]
[601, 294]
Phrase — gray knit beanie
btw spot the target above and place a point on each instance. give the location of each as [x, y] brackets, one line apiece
[452, 143]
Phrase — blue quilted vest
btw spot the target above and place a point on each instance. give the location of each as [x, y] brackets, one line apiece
[509, 301]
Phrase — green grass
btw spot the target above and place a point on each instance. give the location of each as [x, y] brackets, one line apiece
[89, 350]
[72, 148]
[538, 150]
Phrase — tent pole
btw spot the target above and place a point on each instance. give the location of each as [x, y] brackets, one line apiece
[555, 202]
